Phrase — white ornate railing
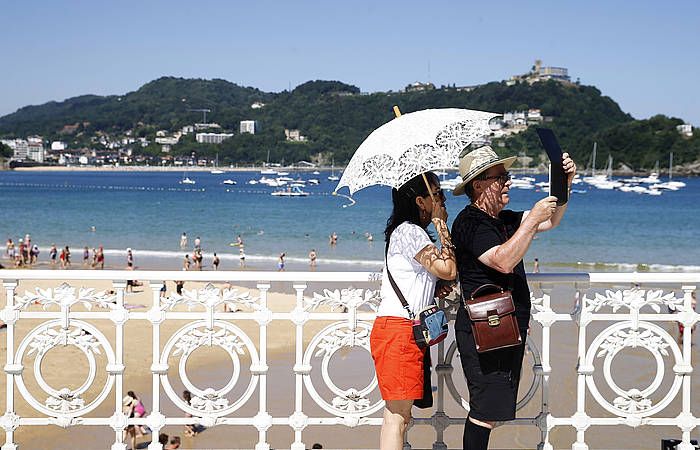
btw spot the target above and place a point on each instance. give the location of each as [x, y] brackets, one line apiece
[613, 312]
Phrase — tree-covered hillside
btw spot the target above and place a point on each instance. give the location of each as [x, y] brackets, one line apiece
[335, 118]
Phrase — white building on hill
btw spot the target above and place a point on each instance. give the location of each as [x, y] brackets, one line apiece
[249, 126]
[212, 138]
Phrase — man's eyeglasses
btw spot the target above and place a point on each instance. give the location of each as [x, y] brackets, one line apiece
[503, 178]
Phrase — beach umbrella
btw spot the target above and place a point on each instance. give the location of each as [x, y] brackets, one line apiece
[414, 143]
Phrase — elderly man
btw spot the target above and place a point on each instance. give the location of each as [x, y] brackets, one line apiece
[490, 243]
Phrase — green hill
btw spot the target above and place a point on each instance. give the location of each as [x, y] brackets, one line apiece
[336, 117]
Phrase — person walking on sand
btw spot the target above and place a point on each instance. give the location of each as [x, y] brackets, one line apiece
[183, 240]
[100, 258]
[53, 253]
[490, 243]
[215, 262]
[536, 266]
[190, 429]
[241, 255]
[129, 259]
[415, 265]
[66, 260]
[280, 262]
[186, 262]
[312, 258]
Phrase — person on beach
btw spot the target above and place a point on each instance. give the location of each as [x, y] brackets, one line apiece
[239, 240]
[53, 253]
[312, 258]
[174, 443]
[163, 439]
[11, 251]
[178, 286]
[681, 327]
[280, 262]
[186, 262]
[138, 410]
[130, 430]
[215, 262]
[129, 259]
[190, 429]
[34, 254]
[198, 258]
[490, 243]
[21, 251]
[8, 244]
[197, 243]
[183, 240]
[86, 256]
[536, 266]
[100, 258]
[241, 255]
[66, 258]
[415, 264]
[333, 239]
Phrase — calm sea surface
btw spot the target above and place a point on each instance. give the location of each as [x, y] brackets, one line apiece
[148, 211]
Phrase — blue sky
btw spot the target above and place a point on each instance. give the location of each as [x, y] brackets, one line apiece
[643, 54]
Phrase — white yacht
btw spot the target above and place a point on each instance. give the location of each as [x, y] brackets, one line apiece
[290, 192]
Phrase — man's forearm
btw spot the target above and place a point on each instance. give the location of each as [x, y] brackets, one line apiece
[509, 254]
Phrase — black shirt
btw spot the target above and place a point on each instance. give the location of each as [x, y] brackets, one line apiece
[473, 233]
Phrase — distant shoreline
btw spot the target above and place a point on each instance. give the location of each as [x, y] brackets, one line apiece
[520, 170]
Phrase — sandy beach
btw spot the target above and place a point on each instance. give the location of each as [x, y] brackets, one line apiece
[210, 368]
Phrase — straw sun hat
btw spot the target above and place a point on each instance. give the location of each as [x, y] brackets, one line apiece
[476, 162]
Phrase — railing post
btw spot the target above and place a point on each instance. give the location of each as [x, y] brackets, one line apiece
[10, 420]
[119, 317]
[298, 421]
[263, 420]
[580, 420]
[685, 422]
[156, 420]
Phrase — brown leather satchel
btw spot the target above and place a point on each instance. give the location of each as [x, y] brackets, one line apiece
[493, 319]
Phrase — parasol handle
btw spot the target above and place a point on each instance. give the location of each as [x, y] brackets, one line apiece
[397, 113]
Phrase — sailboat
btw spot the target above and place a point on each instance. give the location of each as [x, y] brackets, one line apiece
[216, 170]
[267, 170]
[186, 179]
[333, 176]
[670, 184]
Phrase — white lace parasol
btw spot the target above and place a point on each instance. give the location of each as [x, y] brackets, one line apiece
[414, 143]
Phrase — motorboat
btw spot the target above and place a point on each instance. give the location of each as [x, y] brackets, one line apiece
[187, 180]
[216, 172]
[231, 182]
[290, 192]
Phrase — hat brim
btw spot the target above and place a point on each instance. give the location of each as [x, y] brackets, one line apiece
[507, 162]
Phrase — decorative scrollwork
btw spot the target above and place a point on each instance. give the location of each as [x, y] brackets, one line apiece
[65, 401]
[51, 337]
[211, 296]
[210, 401]
[346, 402]
[610, 343]
[343, 337]
[351, 401]
[632, 299]
[613, 343]
[196, 338]
[345, 298]
[64, 404]
[65, 296]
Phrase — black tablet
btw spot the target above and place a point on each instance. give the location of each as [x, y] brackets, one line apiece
[558, 185]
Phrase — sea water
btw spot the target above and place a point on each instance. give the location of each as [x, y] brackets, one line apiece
[148, 212]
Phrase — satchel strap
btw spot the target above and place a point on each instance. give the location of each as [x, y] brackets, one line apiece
[484, 286]
[393, 284]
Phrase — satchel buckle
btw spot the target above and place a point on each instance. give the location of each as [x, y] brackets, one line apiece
[494, 320]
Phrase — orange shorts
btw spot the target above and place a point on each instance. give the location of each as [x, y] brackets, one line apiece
[398, 360]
